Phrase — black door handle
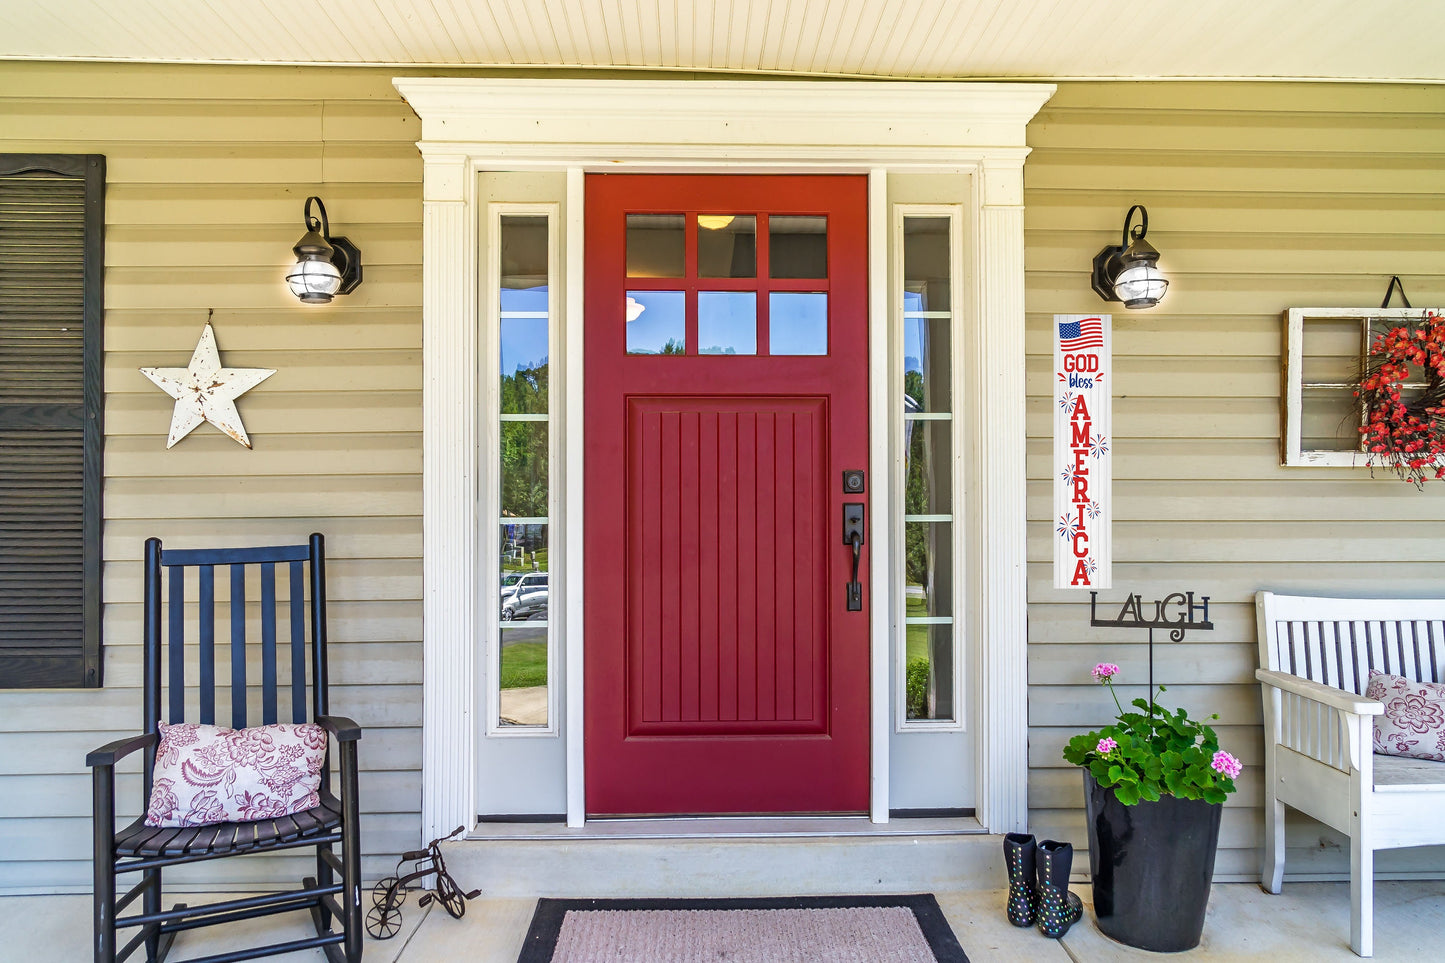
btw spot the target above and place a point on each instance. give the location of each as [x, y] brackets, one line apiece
[853, 534]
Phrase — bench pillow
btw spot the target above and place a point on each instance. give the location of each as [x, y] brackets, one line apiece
[210, 774]
[1414, 720]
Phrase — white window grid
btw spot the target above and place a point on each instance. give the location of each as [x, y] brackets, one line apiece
[901, 418]
[491, 467]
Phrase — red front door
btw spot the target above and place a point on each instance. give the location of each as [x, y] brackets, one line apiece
[726, 393]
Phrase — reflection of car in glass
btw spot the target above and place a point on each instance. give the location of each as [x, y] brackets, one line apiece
[527, 602]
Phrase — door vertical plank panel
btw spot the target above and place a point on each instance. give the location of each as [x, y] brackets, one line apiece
[747, 567]
[709, 587]
[671, 568]
[727, 602]
[645, 591]
[807, 580]
[689, 490]
[785, 494]
[767, 568]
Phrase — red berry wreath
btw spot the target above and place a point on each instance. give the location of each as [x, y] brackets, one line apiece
[1406, 434]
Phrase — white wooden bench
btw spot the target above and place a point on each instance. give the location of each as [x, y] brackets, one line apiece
[1316, 655]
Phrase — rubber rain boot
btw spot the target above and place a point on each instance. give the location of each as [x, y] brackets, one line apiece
[1023, 897]
[1058, 908]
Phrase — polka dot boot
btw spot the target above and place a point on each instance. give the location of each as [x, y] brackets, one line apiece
[1023, 898]
[1058, 908]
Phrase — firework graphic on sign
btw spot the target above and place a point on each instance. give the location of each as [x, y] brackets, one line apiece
[1068, 401]
[1091, 565]
[1098, 445]
[1066, 526]
[1069, 475]
[1093, 509]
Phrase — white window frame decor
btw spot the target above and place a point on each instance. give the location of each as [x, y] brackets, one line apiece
[1295, 320]
[473, 125]
[958, 293]
[490, 449]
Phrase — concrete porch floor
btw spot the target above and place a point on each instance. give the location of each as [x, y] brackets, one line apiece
[1307, 922]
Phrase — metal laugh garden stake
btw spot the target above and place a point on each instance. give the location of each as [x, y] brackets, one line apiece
[1131, 616]
[1083, 471]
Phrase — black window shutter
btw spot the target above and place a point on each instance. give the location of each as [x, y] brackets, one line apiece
[52, 248]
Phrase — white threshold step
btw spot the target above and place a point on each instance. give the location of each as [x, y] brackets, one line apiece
[726, 857]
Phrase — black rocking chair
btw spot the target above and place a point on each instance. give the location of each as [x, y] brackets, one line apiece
[147, 850]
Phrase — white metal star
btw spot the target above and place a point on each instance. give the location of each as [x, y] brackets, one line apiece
[204, 391]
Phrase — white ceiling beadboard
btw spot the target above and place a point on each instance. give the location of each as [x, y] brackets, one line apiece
[918, 39]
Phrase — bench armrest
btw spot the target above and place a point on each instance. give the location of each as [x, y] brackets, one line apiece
[112, 752]
[344, 729]
[1318, 692]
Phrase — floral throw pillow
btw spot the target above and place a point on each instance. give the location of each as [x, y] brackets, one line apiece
[210, 774]
[1414, 720]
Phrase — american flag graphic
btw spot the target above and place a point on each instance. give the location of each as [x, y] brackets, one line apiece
[1081, 335]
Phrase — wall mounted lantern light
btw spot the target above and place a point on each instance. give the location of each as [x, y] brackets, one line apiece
[325, 266]
[1130, 272]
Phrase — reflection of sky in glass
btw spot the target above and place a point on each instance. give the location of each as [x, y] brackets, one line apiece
[524, 344]
[524, 340]
[727, 322]
[797, 323]
[914, 330]
[662, 320]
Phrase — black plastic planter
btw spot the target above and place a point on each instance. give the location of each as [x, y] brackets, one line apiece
[1152, 864]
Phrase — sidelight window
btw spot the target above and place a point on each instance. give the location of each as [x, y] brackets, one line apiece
[522, 659]
[928, 666]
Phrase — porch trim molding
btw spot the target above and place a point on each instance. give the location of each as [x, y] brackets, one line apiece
[866, 127]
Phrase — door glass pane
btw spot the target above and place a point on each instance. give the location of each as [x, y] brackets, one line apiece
[524, 469]
[522, 674]
[928, 680]
[656, 322]
[797, 322]
[727, 245]
[927, 463]
[797, 247]
[656, 245]
[727, 322]
[928, 581]
[927, 368]
[524, 366]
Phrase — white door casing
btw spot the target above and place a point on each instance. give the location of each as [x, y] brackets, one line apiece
[578, 126]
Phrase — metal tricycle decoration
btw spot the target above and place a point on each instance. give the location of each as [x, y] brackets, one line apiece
[383, 920]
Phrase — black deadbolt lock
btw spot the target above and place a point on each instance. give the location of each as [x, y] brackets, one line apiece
[853, 482]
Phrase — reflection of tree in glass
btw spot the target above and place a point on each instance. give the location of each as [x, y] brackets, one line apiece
[524, 468]
[913, 386]
[524, 443]
[524, 392]
[918, 467]
[673, 346]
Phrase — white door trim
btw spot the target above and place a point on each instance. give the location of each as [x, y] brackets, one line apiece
[471, 125]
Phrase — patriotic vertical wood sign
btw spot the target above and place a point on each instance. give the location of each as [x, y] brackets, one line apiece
[1083, 475]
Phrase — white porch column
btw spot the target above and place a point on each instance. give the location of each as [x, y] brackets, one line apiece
[997, 550]
[449, 493]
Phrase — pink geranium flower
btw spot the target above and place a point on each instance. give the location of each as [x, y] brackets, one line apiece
[1226, 764]
[1105, 671]
[1106, 746]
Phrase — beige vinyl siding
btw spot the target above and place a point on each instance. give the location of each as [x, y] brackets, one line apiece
[1261, 197]
[208, 170]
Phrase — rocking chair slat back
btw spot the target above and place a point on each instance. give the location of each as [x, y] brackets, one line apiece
[171, 566]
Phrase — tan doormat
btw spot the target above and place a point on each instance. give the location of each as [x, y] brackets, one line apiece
[803, 929]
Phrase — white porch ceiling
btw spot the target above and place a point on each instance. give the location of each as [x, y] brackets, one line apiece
[1049, 39]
